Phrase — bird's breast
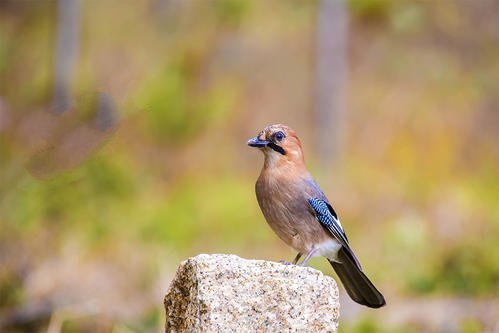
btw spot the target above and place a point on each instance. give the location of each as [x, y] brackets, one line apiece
[284, 204]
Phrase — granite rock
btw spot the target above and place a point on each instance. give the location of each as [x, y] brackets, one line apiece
[225, 293]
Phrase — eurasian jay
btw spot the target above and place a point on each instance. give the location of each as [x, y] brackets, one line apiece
[300, 214]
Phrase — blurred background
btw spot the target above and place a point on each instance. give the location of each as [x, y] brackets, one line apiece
[123, 129]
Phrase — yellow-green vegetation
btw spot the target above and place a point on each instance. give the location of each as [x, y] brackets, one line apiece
[417, 185]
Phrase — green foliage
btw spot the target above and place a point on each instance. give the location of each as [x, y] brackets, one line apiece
[110, 178]
[231, 12]
[470, 268]
[150, 321]
[11, 289]
[370, 10]
[26, 56]
[166, 100]
[176, 109]
[470, 325]
[72, 196]
[3, 53]
[408, 18]
[369, 324]
[215, 211]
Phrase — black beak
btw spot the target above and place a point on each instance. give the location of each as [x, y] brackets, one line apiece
[257, 142]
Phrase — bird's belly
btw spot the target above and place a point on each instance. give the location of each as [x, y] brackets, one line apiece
[295, 225]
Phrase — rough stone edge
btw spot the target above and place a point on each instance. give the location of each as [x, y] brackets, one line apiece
[181, 271]
[182, 289]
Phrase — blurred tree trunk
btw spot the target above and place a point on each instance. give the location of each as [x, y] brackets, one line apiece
[68, 12]
[330, 79]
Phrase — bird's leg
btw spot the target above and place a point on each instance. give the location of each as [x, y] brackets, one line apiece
[307, 258]
[298, 256]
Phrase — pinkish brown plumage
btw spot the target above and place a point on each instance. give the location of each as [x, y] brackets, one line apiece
[300, 214]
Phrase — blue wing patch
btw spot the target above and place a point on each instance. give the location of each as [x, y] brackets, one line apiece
[326, 216]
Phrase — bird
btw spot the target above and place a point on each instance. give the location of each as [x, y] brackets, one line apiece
[300, 214]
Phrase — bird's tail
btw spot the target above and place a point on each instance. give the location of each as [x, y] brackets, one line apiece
[356, 283]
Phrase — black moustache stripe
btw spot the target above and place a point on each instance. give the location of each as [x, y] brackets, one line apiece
[277, 148]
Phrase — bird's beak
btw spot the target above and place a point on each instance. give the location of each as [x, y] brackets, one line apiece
[257, 142]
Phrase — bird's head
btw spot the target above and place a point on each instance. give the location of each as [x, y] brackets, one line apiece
[279, 143]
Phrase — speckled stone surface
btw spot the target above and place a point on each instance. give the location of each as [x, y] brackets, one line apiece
[225, 293]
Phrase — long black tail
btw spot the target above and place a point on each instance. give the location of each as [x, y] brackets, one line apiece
[356, 283]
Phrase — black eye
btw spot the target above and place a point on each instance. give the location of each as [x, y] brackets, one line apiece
[279, 136]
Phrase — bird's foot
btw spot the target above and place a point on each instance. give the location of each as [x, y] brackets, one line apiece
[307, 258]
[295, 261]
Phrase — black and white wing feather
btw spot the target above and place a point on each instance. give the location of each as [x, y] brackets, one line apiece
[327, 217]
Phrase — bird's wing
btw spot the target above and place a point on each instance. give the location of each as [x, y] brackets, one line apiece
[327, 217]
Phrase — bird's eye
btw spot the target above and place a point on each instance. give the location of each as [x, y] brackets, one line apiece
[279, 136]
